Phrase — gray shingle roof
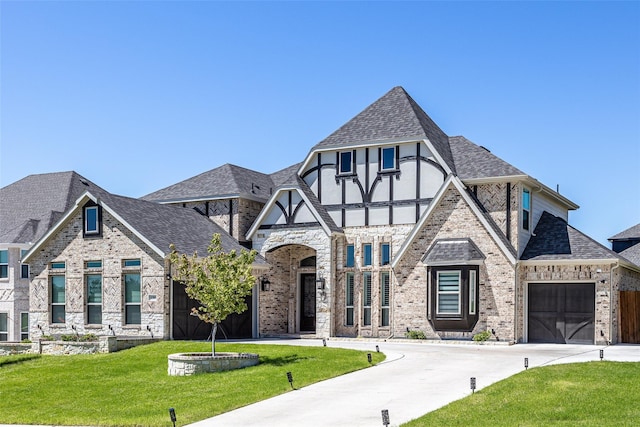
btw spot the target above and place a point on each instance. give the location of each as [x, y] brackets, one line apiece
[473, 161]
[162, 225]
[629, 233]
[318, 206]
[554, 239]
[632, 254]
[452, 251]
[394, 116]
[30, 206]
[286, 175]
[226, 180]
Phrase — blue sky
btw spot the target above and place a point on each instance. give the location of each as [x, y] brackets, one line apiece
[136, 96]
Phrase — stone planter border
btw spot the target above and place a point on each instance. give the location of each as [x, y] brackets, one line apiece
[181, 364]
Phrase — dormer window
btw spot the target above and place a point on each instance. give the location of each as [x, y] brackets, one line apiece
[389, 158]
[526, 209]
[346, 162]
[92, 220]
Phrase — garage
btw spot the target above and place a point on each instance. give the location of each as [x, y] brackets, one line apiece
[561, 313]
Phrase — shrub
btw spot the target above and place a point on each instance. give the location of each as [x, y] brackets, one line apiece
[26, 341]
[482, 336]
[416, 335]
[88, 337]
[47, 338]
[68, 337]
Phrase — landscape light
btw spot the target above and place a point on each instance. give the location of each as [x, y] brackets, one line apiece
[369, 357]
[526, 362]
[601, 354]
[172, 414]
[377, 349]
[385, 417]
[290, 379]
[473, 384]
[324, 342]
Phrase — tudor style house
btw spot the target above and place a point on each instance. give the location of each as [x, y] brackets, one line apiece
[388, 225]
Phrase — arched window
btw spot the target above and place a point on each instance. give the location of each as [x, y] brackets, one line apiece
[308, 262]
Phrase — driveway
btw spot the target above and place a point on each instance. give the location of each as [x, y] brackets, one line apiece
[416, 378]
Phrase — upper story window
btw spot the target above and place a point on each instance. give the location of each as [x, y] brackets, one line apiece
[59, 265]
[366, 254]
[93, 264]
[526, 209]
[91, 220]
[346, 162]
[385, 253]
[24, 268]
[389, 158]
[4, 264]
[351, 256]
[131, 262]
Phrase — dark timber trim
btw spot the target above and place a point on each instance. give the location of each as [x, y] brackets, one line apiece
[366, 183]
[509, 211]
[231, 217]
[418, 180]
[319, 180]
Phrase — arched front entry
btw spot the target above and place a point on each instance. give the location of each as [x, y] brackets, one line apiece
[289, 304]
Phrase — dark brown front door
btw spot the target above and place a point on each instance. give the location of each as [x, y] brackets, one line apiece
[561, 313]
[189, 327]
[307, 302]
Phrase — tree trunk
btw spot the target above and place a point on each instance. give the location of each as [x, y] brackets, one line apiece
[214, 330]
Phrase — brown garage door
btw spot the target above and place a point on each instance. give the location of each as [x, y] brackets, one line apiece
[561, 313]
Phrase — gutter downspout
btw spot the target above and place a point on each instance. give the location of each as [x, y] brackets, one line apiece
[613, 267]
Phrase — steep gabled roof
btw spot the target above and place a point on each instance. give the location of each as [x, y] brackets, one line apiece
[632, 254]
[394, 116]
[286, 175]
[155, 224]
[225, 181]
[554, 240]
[628, 234]
[452, 252]
[474, 162]
[30, 206]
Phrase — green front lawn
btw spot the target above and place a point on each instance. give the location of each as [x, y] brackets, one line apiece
[132, 388]
[580, 394]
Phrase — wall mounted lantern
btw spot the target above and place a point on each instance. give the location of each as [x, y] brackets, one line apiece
[265, 284]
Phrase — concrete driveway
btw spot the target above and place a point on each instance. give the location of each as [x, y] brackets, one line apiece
[416, 378]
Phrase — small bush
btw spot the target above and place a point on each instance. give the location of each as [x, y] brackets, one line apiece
[47, 338]
[416, 335]
[68, 337]
[26, 341]
[88, 337]
[482, 336]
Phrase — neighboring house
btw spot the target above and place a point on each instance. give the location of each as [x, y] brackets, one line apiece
[28, 209]
[627, 243]
[390, 225]
[103, 268]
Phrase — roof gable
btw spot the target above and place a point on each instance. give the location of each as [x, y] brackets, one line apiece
[453, 252]
[473, 161]
[394, 116]
[554, 239]
[484, 218]
[628, 234]
[225, 181]
[33, 204]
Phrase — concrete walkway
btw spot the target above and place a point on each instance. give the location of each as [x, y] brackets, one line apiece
[416, 378]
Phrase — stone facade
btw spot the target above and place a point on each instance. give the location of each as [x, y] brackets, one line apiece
[14, 294]
[503, 210]
[114, 245]
[453, 218]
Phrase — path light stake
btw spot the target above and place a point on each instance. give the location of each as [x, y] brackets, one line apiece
[324, 342]
[290, 379]
[172, 414]
[526, 362]
[601, 354]
[473, 384]
[369, 357]
[377, 349]
[385, 417]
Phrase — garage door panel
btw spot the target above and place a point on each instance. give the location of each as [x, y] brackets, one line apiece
[561, 313]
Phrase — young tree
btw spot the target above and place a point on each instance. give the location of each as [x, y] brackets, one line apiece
[219, 282]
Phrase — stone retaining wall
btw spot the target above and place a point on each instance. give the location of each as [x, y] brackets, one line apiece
[182, 364]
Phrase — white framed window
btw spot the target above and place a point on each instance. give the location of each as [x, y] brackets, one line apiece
[349, 299]
[4, 263]
[94, 299]
[526, 209]
[58, 299]
[384, 298]
[346, 162]
[132, 299]
[91, 220]
[448, 295]
[366, 298]
[24, 326]
[4, 327]
[388, 158]
[473, 299]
